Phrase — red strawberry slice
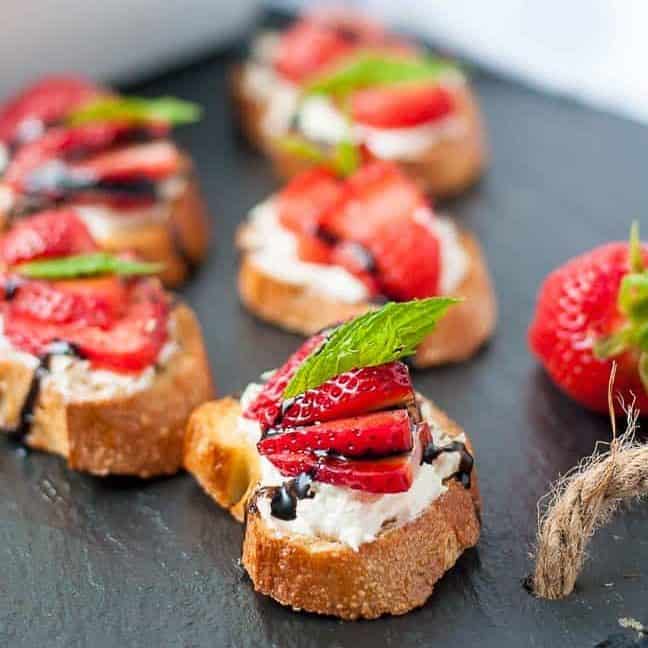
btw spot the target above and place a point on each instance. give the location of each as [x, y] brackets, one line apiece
[267, 405]
[93, 302]
[153, 161]
[44, 103]
[349, 394]
[130, 344]
[74, 144]
[393, 474]
[307, 48]
[313, 249]
[374, 434]
[401, 105]
[577, 305]
[53, 233]
[385, 213]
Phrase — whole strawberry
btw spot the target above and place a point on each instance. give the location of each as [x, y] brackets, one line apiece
[591, 312]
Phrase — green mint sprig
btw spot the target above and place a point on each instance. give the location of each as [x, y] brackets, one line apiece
[85, 265]
[369, 69]
[136, 109]
[385, 335]
[343, 160]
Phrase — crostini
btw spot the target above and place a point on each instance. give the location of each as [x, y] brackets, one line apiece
[591, 313]
[325, 249]
[67, 141]
[358, 494]
[329, 78]
[97, 362]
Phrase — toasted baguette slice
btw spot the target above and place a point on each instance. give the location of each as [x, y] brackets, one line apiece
[296, 308]
[446, 169]
[391, 575]
[139, 434]
[179, 240]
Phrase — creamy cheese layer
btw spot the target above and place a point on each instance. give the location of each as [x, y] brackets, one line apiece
[77, 382]
[350, 516]
[273, 250]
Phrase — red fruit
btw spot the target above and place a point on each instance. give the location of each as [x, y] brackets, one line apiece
[385, 213]
[92, 302]
[401, 105]
[307, 48]
[267, 405]
[153, 161]
[53, 233]
[306, 197]
[577, 305]
[393, 474]
[349, 394]
[378, 434]
[44, 103]
[312, 249]
[130, 344]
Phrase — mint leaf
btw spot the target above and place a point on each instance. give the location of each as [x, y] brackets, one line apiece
[136, 109]
[85, 265]
[343, 160]
[375, 69]
[381, 336]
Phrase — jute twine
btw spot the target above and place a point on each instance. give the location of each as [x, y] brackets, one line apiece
[584, 500]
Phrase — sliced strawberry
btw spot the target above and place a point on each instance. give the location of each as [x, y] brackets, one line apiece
[267, 405]
[130, 344]
[44, 103]
[306, 197]
[57, 232]
[378, 434]
[92, 302]
[153, 160]
[313, 249]
[307, 48]
[349, 394]
[393, 474]
[401, 105]
[67, 145]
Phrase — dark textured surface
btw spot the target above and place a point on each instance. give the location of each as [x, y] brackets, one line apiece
[98, 563]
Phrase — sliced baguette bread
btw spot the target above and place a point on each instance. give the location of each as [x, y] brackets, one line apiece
[446, 169]
[296, 308]
[138, 434]
[393, 574]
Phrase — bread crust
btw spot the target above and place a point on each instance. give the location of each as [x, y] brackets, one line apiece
[296, 308]
[179, 242]
[446, 169]
[391, 575]
[141, 434]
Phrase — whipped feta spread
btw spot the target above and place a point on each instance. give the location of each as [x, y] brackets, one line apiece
[75, 380]
[349, 516]
[273, 250]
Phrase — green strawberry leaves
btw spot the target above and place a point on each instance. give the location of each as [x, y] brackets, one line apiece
[343, 159]
[385, 335]
[85, 265]
[136, 109]
[371, 69]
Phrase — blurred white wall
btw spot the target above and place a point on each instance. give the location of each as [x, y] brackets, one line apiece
[593, 50]
[111, 39]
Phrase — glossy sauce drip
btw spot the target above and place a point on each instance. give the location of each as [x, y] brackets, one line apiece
[466, 462]
[26, 415]
[283, 504]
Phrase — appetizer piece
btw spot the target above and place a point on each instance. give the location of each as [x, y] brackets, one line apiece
[325, 249]
[64, 141]
[97, 362]
[329, 78]
[358, 493]
[591, 312]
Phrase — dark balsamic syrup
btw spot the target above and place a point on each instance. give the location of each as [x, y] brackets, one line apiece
[26, 416]
[466, 462]
[283, 504]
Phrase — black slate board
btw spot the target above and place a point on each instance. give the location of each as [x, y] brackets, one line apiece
[89, 562]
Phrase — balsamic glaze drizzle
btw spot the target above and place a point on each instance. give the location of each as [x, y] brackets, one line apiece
[283, 504]
[466, 461]
[26, 415]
